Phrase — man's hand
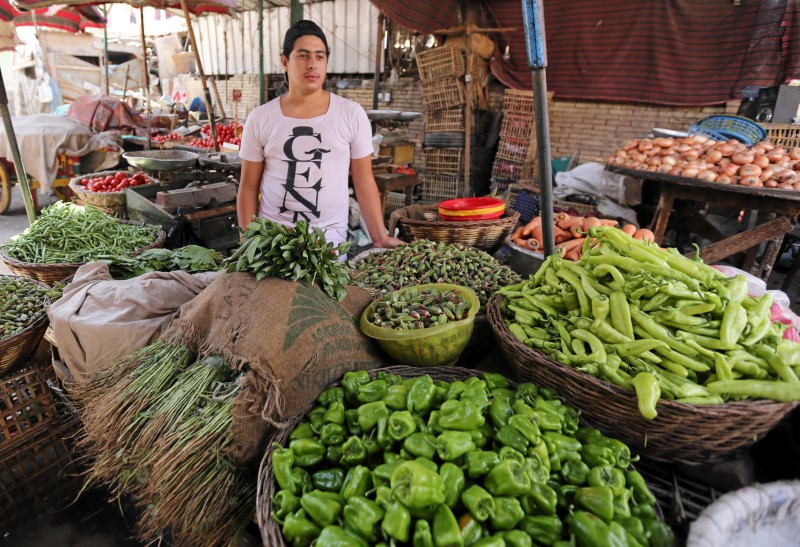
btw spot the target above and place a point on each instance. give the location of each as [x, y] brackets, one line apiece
[388, 243]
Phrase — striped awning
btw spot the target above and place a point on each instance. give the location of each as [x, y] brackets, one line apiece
[195, 6]
[70, 19]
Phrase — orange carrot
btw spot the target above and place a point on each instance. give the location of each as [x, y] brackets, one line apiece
[528, 228]
[608, 222]
[537, 233]
[521, 242]
[517, 233]
[589, 223]
[643, 234]
[533, 244]
[568, 246]
[573, 255]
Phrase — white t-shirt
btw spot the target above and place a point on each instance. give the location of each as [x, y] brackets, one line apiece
[307, 162]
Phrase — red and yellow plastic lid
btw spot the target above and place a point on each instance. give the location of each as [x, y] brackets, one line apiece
[483, 208]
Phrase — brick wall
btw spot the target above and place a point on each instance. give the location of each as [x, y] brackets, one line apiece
[248, 83]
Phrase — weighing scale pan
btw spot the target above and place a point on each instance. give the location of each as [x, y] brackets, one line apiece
[161, 160]
[221, 160]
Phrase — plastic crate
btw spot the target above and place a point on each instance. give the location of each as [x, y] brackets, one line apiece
[695, 129]
[512, 149]
[436, 188]
[445, 120]
[783, 134]
[519, 101]
[440, 62]
[443, 93]
[444, 161]
[517, 126]
[735, 127]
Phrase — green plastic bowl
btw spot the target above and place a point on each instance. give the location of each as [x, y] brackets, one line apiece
[431, 347]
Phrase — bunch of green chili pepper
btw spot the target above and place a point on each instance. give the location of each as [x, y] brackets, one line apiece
[298, 253]
[651, 320]
[416, 461]
[65, 233]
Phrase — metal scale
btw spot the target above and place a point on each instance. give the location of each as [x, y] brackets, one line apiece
[195, 200]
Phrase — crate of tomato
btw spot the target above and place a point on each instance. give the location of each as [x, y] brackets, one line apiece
[230, 133]
[106, 189]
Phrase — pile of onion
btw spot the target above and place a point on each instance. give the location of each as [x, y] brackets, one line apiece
[727, 162]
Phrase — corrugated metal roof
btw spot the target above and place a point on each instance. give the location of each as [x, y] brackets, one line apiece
[350, 25]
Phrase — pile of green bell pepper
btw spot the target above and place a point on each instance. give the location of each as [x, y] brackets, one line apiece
[422, 462]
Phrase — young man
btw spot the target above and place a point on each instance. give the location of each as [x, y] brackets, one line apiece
[297, 149]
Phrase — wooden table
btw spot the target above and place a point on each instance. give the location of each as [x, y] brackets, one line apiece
[389, 182]
[782, 205]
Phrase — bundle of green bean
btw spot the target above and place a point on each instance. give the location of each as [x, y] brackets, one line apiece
[651, 320]
[433, 262]
[419, 309]
[298, 253]
[22, 301]
[68, 233]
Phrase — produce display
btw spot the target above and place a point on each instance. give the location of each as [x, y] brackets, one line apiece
[167, 137]
[569, 233]
[22, 301]
[650, 320]
[728, 162]
[298, 253]
[421, 462]
[230, 132]
[191, 258]
[68, 233]
[115, 183]
[426, 261]
[412, 309]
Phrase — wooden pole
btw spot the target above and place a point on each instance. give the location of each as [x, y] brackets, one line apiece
[468, 121]
[225, 43]
[145, 75]
[378, 55]
[262, 95]
[105, 51]
[12, 143]
[206, 93]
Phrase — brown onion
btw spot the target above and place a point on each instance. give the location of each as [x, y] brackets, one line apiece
[714, 156]
[794, 153]
[786, 175]
[762, 161]
[708, 176]
[777, 155]
[750, 170]
[676, 171]
[771, 183]
[645, 145]
[758, 184]
[724, 179]
[725, 148]
[691, 155]
[690, 172]
[700, 139]
[742, 158]
[767, 145]
[731, 169]
[630, 145]
[786, 186]
[767, 174]
[669, 160]
[663, 168]
[748, 181]
[758, 150]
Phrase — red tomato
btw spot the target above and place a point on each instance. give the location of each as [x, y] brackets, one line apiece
[138, 177]
[119, 176]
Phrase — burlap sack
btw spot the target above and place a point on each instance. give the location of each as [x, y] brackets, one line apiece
[294, 339]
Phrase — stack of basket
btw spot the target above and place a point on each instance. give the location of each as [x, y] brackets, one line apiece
[441, 72]
[515, 159]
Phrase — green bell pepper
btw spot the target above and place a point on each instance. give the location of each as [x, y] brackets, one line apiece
[420, 395]
[433, 423]
[284, 503]
[460, 415]
[598, 500]
[401, 425]
[527, 392]
[621, 451]
[370, 413]
[517, 538]
[471, 529]
[334, 414]
[590, 530]
[333, 454]
[508, 478]
[588, 435]
[391, 457]
[507, 513]
[575, 472]
[351, 421]
[509, 436]
[455, 389]
[302, 431]
[495, 381]
[478, 438]
[544, 497]
[547, 529]
[299, 530]
[508, 453]
[307, 452]
[526, 427]
[478, 502]
[634, 527]
[536, 469]
[451, 445]
[395, 397]
[336, 536]
[641, 493]
[328, 480]
[490, 541]
[331, 395]
[316, 416]
[446, 531]
[323, 508]
[382, 474]
[383, 438]
[499, 412]
[352, 381]
[372, 391]
[454, 482]
[331, 434]
[356, 482]
[595, 455]
[353, 451]
[427, 462]
[282, 463]
[364, 517]
[420, 445]
[397, 522]
[540, 449]
[606, 475]
[383, 495]
[622, 506]
[480, 462]
[660, 534]
[422, 534]
[416, 486]
[566, 495]
[644, 512]
[620, 536]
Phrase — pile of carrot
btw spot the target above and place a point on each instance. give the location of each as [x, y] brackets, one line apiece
[570, 233]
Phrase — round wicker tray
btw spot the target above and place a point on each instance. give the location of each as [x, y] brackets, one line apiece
[52, 273]
[110, 200]
[16, 349]
[483, 234]
[680, 433]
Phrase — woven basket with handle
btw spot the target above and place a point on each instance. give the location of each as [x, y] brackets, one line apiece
[17, 348]
[53, 273]
[680, 433]
[483, 234]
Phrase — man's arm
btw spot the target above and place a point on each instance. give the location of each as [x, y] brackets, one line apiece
[247, 197]
[369, 201]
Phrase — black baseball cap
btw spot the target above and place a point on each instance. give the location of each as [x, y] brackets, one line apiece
[303, 27]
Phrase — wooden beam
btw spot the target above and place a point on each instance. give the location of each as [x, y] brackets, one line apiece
[742, 241]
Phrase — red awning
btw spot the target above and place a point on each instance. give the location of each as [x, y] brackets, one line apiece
[195, 6]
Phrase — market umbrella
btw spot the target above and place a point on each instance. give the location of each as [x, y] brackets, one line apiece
[70, 19]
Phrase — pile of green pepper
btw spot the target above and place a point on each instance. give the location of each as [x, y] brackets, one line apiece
[426, 261]
[419, 309]
[22, 301]
[651, 320]
[423, 462]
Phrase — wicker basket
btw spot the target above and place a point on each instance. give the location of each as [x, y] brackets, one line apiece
[440, 62]
[443, 93]
[270, 532]
[680, 433]
[53, 273]
[445, 120]
[436, 188]
[19, 347]
[519, 101]
[26, 406]
[106, 201]
[483, 234]
[517, 126]
[785, 135]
